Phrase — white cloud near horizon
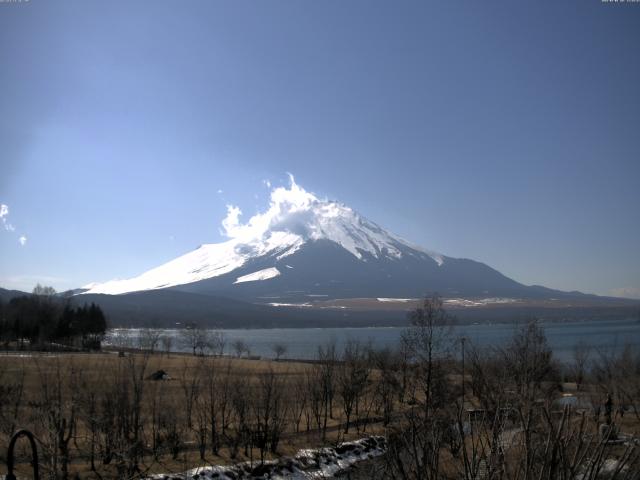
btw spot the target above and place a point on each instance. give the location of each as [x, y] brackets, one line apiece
[4, 216]
[4, 213]
[26, 283]
[626, 292]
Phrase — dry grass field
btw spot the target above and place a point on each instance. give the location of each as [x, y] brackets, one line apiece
[103, 395]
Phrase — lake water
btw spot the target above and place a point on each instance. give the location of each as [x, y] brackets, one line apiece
[302, 343]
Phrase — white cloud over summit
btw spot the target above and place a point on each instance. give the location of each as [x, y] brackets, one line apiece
[290, 209]
[296, 212]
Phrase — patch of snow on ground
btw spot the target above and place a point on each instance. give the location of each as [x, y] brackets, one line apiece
[478, 302]
[608, 467]
[307, 464]
[265, 274]
[499, 300]
[396, 300]
[274, 304]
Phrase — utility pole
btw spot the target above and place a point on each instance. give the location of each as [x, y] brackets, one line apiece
[462, 340]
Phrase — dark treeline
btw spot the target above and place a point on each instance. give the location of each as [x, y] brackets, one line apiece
[44, 318]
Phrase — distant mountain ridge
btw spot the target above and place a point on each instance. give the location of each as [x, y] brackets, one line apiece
[6, 295]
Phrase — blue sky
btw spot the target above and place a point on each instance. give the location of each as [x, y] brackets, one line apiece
[500, 131]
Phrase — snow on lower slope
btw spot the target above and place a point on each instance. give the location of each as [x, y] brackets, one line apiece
[205, 262]
[293, 218]
[265, 274]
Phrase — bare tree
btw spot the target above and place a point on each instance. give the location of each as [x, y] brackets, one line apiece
[618, 374]
[429, 340]
[416, 442]
[123, 414]
[190, 386]
[326, 376]
[89, 395]
[57, 413]
[387, 384]
[528, 358]
[224, 395]
[170, 428]
[279, 349]
[214, 400]
[195, 339]
[43, 291]
[269, 412]
[627, 380]
[202, 423]
[240, 347]
[352, 377]
[167, 342]
[12, 389]
[509, 382]
[217, 343]
[240, 402]
[581, 353]
[149, 339]
[210, 342]
[299, 402]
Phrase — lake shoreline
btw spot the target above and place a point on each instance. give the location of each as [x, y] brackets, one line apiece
[303, 343]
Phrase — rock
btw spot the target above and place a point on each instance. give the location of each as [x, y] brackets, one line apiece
[158, 375]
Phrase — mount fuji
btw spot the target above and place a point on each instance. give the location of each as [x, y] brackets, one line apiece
[304, 247]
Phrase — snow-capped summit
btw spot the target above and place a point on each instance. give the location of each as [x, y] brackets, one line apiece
[295, 218]
[300, 213]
